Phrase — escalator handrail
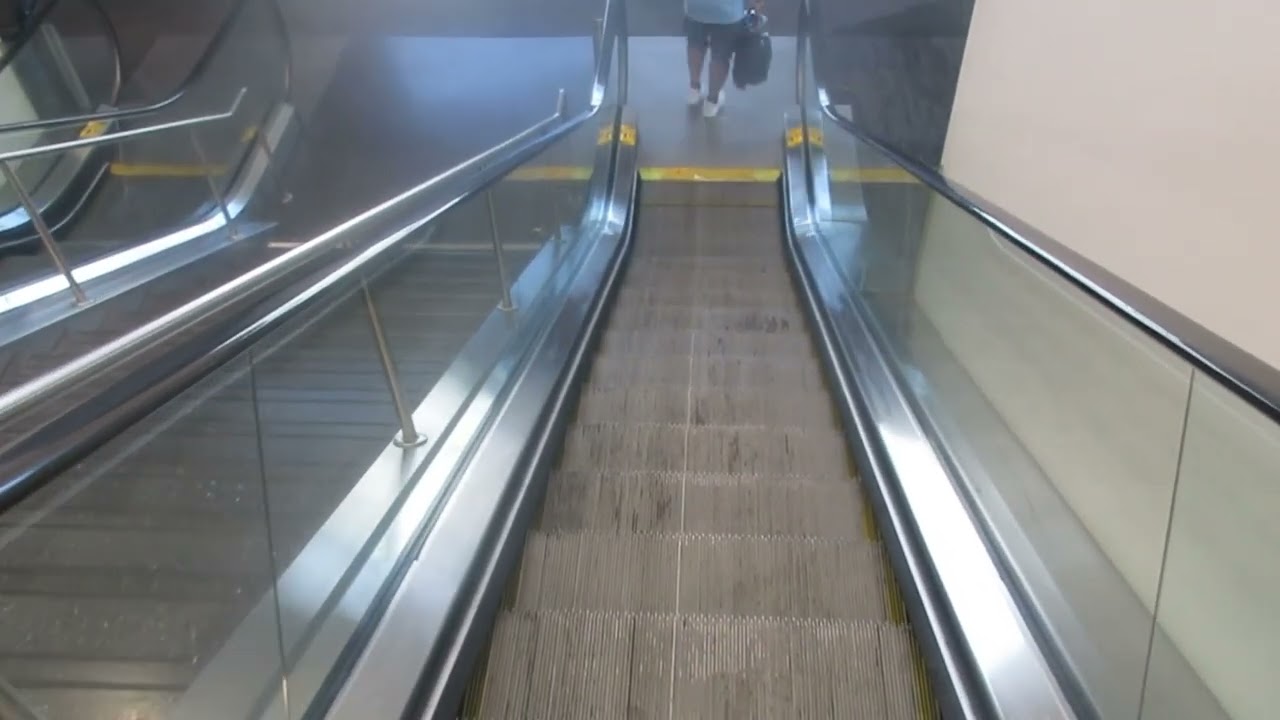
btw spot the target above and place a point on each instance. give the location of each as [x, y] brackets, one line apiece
[29, 30]
[196, 73]
[41, 465]
[122, 135]
[1245, 375]
[37, 18]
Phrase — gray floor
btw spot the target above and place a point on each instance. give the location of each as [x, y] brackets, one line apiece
[703, 549]
[748, 131]
[896, 61]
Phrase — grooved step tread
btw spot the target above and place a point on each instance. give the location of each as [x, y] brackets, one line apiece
[703, 548]
[639, 503]
[578, 664]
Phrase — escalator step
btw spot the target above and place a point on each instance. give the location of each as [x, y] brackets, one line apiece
[576, 664]
[704, 548]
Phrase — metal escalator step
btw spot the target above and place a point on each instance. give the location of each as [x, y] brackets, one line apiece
[573, 664]
[705, 449]
[733, 407]
[714, 343]
[703, 548]
[768, 321]
[704, 282]
[778, 346]
[767, 451]
[795, 372]
[906, 685]
[676, 317]
[634, 404]
[666, 317]
[721, 296]
[621, 368]
[780, 668]
[557, 665]
[782, 577]
[509, 670]
[827, 508]
[648, 503]
[634, 447]
[674, 246]
[587, 571]
[647, 343]
[677, 404]
[611, 503]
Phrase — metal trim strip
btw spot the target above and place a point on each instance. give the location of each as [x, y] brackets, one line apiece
[980, 649]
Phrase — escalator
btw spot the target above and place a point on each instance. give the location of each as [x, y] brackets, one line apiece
[157, 195]
[690, 449]
[704, 548]
[704, 545]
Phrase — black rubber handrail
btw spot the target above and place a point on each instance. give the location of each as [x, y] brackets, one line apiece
[196, 73]
[1247, 376]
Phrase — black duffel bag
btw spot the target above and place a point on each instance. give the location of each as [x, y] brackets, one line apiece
[752, 53]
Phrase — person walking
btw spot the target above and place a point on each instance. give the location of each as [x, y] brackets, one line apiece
[712, 25]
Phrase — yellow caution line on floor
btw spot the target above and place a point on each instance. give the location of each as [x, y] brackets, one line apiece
[120, 169]
[551, 172]
[709, 174]
[126, 169]
[712, 174]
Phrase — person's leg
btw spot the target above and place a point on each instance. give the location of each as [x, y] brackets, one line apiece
[696, 33]
[722, 40]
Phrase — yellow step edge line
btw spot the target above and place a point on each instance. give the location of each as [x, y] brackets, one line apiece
[711, 174]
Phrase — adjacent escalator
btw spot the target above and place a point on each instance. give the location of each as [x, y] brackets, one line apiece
[121, 579]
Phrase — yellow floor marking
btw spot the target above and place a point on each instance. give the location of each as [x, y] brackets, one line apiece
[93, 129]
[709, 174]
[887, 175]
[550, 172]
[572, 172]
[165, 170]
[125, 169]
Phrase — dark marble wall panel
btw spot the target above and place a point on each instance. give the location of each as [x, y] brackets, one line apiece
[897, 63]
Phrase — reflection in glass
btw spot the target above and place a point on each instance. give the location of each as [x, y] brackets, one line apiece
[1221, 584]
[121, 581]
[1064, 421]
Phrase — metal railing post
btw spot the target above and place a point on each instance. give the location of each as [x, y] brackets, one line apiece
[506, 303]
[218, 197]
[261, 141]
[409, 436]
[624, 55]
[597, 39]
[46, 235]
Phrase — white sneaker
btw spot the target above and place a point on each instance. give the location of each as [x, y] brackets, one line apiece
[694, 97]
[711, 108]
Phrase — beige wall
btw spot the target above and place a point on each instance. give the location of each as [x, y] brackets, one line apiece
[1143, 134]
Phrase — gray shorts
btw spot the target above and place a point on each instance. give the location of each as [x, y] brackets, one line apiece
[720, 38]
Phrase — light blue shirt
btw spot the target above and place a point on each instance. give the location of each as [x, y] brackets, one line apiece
[718, 12]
